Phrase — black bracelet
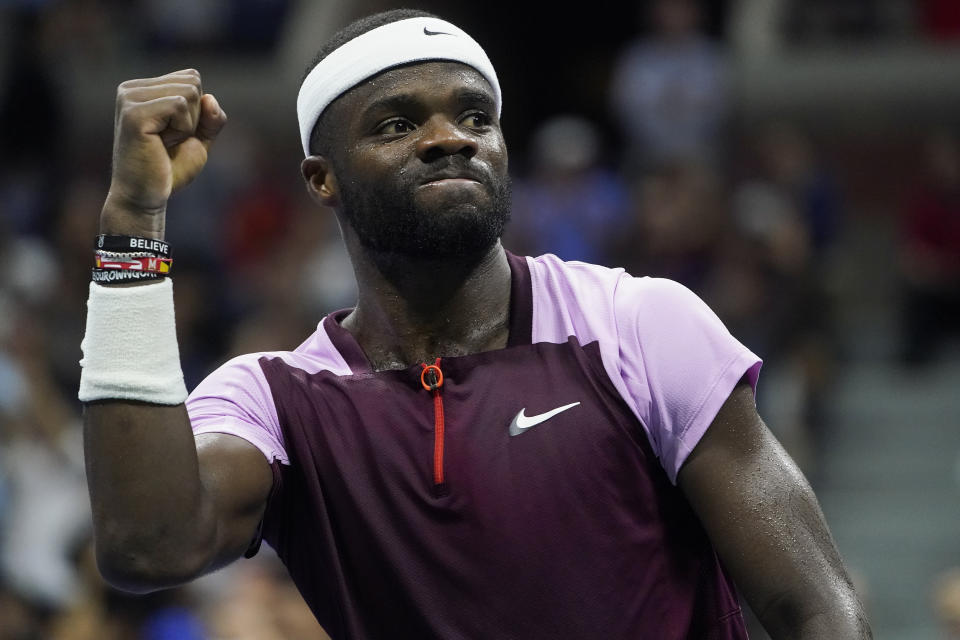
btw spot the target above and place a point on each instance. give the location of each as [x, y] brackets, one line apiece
[111, 276]
[126, 244]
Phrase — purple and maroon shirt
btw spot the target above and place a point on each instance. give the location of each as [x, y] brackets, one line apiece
[531, 495]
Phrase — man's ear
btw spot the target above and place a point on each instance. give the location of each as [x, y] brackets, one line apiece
[320, 180]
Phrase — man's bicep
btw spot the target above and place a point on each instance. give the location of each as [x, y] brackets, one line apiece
[763, 517]
[237, 479]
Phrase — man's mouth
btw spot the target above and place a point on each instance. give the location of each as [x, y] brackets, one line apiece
[449, 181]
[451, 176]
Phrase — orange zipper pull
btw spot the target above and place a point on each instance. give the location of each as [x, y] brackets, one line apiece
[431, 377]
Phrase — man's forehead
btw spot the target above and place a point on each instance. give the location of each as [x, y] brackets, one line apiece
[434, 76]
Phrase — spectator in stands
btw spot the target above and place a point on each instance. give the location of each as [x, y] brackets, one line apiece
[768, 283]
[789, 163]
[41, 457]
[676, 226]
[668, 90]
[260, 603]
[930, 252]
[568, 202]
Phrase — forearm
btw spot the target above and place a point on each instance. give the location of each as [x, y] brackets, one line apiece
[153, 525]
[839, 615]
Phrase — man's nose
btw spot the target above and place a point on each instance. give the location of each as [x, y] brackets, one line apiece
[441, 137]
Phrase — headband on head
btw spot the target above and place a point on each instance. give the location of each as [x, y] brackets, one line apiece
[394, 44]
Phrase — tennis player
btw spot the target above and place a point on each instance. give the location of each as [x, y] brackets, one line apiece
[485, 446]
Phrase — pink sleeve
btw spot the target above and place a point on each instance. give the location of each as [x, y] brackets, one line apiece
[678, 362]
[236, 399]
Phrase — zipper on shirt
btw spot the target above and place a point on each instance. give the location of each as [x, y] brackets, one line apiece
[431, 377]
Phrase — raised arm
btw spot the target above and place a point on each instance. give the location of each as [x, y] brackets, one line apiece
[768, 529]
[166, 508]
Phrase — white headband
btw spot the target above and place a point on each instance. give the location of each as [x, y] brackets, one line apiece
[397, 43]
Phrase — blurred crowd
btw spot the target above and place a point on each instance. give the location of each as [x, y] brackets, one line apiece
[752, 218]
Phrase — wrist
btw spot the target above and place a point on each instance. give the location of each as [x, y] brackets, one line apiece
[122, 216]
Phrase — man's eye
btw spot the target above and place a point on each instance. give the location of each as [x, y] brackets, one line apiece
[395, 127]
[476, 120]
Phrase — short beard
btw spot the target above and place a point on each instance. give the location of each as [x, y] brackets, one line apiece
[391, 227]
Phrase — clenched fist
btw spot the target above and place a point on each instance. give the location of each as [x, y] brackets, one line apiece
[163, 128]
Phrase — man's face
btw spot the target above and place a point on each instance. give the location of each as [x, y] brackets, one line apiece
[420, 162]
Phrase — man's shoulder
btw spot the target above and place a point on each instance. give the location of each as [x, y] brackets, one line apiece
[588, 280]
[572, 298]
[606, 297]
[549, 263]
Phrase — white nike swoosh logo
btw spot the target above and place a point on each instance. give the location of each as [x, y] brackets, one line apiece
[522, 422]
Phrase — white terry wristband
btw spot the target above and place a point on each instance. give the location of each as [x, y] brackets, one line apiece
[130, 349]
